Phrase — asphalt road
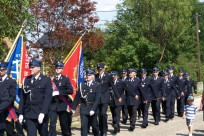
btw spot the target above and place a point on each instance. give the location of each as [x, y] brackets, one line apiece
[175, 127]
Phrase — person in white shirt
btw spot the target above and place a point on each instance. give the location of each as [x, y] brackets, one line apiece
[189, 113]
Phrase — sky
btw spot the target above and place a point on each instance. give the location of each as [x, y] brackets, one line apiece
[107, 5]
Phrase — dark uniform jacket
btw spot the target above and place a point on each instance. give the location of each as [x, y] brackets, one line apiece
[106, 82]
[173, 78]
[181, 84]
[11, 87]
[35, 98]
[168, 87]
[131, 91]
[91, 101]
[120, 85]
[190, 84]
[148, 92]
[65, 88]
[4, 103]
[158, 86]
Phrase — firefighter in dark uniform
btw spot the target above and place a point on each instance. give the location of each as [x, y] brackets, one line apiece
[157, 80]
[190, 84]
[149, 93]
[115, 104]
[182, 88]
[35, 99]
[58, 106]
[11, 87]
[167, 87]
[106, 82]
[88, 96]
[173, 78]
[132, 97]
[7, 97]
[124, 107]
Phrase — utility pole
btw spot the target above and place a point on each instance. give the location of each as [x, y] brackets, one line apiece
[199, 83]
[198, 46]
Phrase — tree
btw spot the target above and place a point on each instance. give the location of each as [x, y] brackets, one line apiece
[63, 22]
[156, 30]
[12, 15]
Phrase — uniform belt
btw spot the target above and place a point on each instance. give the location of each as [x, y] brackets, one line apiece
[89, 103]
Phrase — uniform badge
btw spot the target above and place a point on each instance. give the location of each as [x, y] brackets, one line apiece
[39, 78]
[7, 78]
[60, 83]
[102, 82]
[84, 90]
[27, 86]
[60, 77]
[91, 90]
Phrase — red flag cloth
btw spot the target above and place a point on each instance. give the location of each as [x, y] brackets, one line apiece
[71, 67]
[25, 71]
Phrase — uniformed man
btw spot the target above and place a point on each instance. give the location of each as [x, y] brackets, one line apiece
[132, 97]
[35, 101]
[190, 84]
[148, 92]
[58, 105]
[167, 87]
[172, 77]
[106, 82]
[115, 104]
[124, 107]
[7, 97]
[157, 80]
[88, 96]
[182, 88]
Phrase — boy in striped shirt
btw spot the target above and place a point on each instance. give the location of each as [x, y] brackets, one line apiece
[189, 113]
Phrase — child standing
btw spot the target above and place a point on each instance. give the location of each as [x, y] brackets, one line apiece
[189, 113]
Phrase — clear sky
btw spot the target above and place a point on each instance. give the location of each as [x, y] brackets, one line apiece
[107, 5]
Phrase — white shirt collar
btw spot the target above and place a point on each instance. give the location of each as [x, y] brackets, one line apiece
[4, 77]
[36, 77]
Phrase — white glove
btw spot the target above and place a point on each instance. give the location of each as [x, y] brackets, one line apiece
[55, 93]
[20, 118]
[91, 113]
[73, 111]
[41, 117]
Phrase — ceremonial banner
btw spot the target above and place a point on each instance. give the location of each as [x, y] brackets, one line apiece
[74, 67]
[18, 68]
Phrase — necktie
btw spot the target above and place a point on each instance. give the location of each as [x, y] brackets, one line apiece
[155, 78]
[143, 79]
[88, 84]
[100, 76]
[57, 78]
[0, 78]
[34, 80]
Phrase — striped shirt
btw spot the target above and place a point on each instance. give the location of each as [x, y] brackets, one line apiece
[190, 111]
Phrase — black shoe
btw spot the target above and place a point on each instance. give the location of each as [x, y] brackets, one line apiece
[167, 119]
[115, 128]
[124, 121]
[104, 134]
[144, 125]
[131, 128]
[156, 123]
[171, 117]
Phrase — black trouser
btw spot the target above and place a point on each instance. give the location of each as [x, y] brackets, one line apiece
[64, 119]
[139, 110]
[103, 125]
[145, 109]
[10, 128]
[1, 132]
[32, 126]
[180, 105]
[172, 105]
[87, 119]
[124, 112]
[168, 106]
[132, 110]
[116, 114]
[164, 106]
[156, 109]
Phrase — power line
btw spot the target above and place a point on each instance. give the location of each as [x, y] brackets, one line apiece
[201, 4]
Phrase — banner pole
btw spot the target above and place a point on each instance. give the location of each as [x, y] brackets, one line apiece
[74, 47]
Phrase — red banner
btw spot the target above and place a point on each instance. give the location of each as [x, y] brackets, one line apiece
[24, 64]
[71, 67]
